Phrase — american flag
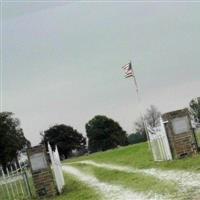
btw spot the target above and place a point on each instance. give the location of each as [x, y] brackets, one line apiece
[128, 70]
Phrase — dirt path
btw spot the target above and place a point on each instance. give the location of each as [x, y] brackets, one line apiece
[183, 178]
[109, 191]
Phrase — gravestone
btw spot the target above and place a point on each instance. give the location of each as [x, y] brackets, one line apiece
[180, 133]
[41, 172]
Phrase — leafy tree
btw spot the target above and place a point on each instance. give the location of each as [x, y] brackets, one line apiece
[12, 138]
[66, 138]
[135, 138]
[104, 133]
[195, 109]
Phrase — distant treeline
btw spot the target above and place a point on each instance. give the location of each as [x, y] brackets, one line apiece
[102, 133]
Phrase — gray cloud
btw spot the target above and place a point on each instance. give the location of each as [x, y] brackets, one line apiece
[62, 64]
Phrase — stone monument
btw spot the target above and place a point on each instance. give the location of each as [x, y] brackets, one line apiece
[180, 133]
[41, 172]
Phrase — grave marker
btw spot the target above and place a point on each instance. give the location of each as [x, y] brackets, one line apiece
[41, 172]
[179, 132]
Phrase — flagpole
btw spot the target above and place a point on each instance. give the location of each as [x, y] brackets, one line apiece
[140, 108]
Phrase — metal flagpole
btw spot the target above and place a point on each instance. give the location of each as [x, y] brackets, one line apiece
[140, 106]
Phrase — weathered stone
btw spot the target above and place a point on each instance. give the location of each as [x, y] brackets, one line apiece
[179, 132]
[42, 178]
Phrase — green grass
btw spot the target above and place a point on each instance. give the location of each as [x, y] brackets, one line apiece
[75, 190]
[133, 181]
[17, 189]
[139, 183]
[198, 138]
[137, 156]
[140, 156]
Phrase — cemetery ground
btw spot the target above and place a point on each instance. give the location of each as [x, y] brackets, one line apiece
[130, 173]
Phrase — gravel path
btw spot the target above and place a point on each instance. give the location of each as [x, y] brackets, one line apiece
[184, 178]
[109, 191]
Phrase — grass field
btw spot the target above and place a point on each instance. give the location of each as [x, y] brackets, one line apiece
[198, 137]
[137, 157]
[140, 156]
[75, 190]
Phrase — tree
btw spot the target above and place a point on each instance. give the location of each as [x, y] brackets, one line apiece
[12, 138]
[139, 126]
[135, 138]
[104, 133]
[195, 109]
[66, 138]
[151, 117]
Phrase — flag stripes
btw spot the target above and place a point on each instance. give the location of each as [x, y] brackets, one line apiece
[128, 70]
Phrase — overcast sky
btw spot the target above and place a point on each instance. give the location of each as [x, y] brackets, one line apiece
[62, 61]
